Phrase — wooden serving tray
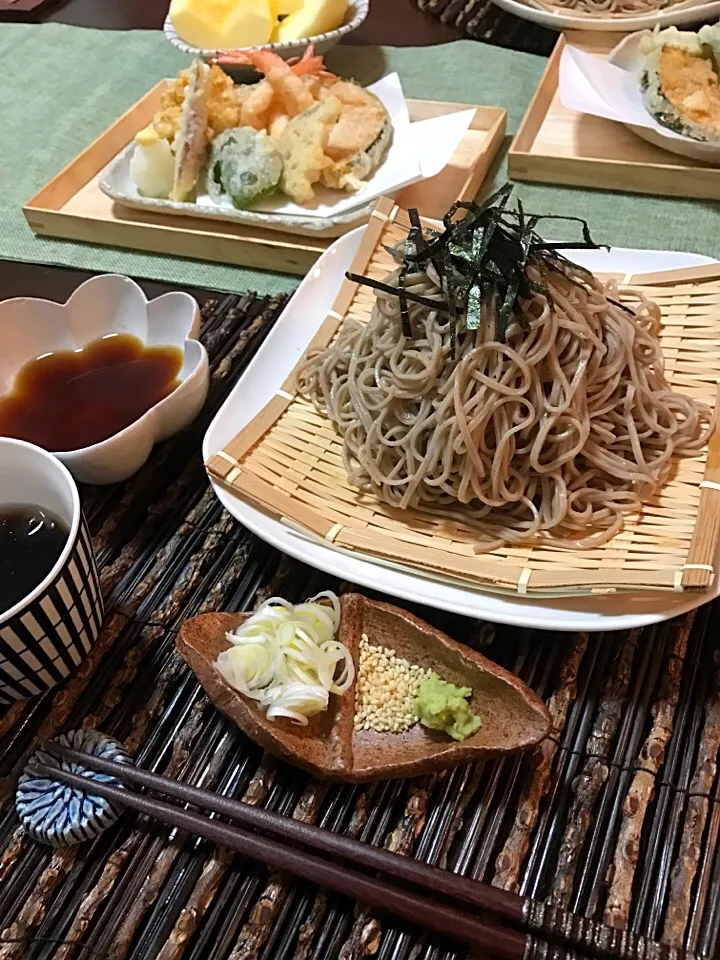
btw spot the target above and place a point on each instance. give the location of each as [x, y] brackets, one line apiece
[556, 145]
[73, 207]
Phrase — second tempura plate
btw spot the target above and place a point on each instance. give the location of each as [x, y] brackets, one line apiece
[283, 348]
[570, 20]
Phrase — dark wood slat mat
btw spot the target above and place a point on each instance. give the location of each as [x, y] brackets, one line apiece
[617, 816]
[482, 20]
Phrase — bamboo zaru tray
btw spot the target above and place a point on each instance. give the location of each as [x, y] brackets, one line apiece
[288, 460]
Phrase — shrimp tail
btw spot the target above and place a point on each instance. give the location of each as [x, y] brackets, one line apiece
[231, 58]
[310, 63]
[263, 60]
[266, 60]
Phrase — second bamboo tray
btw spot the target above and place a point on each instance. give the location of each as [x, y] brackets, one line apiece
[288, 460]
[556, 145]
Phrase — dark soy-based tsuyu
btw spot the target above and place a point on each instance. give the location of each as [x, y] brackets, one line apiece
[70, 399]
[31, 541]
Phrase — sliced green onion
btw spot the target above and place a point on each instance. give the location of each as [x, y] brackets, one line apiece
[287, 658]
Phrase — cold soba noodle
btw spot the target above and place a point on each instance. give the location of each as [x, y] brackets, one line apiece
[606, 8]
[556, 429]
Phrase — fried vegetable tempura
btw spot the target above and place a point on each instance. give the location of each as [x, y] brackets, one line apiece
[223, 106]
[167, 119]
[302, 147]
[327, 130]
[358, 139]
[191, 140]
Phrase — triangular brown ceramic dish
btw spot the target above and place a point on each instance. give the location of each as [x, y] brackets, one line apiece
[513, 717]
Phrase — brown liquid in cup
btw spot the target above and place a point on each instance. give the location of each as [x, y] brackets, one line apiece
[31, 541]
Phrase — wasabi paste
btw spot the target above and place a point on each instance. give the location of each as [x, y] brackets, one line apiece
[443, 706]
[245, 166]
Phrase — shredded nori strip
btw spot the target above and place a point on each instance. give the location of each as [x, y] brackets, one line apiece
[415, 241]
[405, 266]
[449, 283]
[393, 291]
[483, 259]
[418, 237]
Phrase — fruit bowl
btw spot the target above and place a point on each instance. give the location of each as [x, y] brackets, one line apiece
[356, 13]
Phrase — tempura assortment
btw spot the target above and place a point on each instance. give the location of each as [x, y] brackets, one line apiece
[298, 127]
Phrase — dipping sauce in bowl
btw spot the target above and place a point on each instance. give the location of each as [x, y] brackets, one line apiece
[70, 399]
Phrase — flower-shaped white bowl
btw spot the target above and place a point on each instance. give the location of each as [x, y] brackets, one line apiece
[356, 13]
[103, 305]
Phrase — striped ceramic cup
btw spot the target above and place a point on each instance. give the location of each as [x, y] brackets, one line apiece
[46, 635]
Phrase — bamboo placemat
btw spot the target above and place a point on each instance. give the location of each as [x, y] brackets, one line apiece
[288, 459]
[483, 20]
[617, 816]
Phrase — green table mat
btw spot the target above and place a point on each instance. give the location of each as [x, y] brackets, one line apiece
[62, 86]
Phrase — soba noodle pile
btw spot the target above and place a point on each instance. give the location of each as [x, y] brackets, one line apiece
[555, 429]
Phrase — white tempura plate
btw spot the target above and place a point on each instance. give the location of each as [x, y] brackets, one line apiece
[567, 21]
[285, 345]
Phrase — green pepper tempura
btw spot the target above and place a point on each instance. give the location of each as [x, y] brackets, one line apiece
[443, 706]
[245, 166]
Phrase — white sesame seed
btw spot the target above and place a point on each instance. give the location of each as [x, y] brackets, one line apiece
[386, 689]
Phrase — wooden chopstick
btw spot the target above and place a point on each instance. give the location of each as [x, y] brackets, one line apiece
[540, 922]
[436, 916]
[479, 895]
